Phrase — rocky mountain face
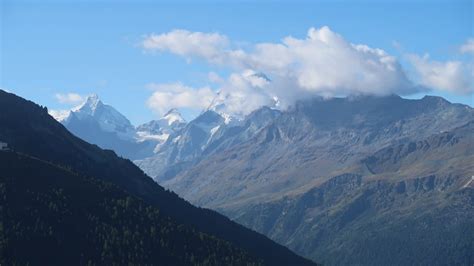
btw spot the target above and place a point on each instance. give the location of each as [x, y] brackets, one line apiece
[327, 175]
[184, 146]
[327, 134]
[61, 194]
[409, 203]
[210, 131]
[103, 125]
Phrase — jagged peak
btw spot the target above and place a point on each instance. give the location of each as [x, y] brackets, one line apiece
[174, 116]
[90, 105]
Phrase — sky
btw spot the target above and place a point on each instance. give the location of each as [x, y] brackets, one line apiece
[144, 57]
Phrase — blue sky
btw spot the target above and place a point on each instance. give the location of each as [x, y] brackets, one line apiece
[83, 47]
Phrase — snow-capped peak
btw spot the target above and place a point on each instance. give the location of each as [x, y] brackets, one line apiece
[173, 116]
[60, 115]
[162, 128]
[89, 106]
[107, 117]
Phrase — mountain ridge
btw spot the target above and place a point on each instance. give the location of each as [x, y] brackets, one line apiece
[29, 129]
[387, 142]
[103, 125]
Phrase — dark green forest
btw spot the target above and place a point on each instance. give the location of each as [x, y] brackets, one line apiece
[52, 215]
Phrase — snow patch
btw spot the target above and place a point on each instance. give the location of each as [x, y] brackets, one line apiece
[176, 139]
[59, 115]
[214, 130]
[144, 135]
[469, 182]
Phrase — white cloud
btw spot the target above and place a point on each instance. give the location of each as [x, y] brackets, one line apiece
[468, 47]
[69, 98]
[239, 94]
[243, 92]
[176, 95]
[187, 44]
[451, 76]
[322, 63]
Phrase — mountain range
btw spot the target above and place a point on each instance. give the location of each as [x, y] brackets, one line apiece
[64, 200]
[103, 125]
[325, 175]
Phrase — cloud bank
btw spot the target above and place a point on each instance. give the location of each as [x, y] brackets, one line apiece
[69, 98]
[322, 63]
[177, 95]
[450, 76]
[187, 44]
